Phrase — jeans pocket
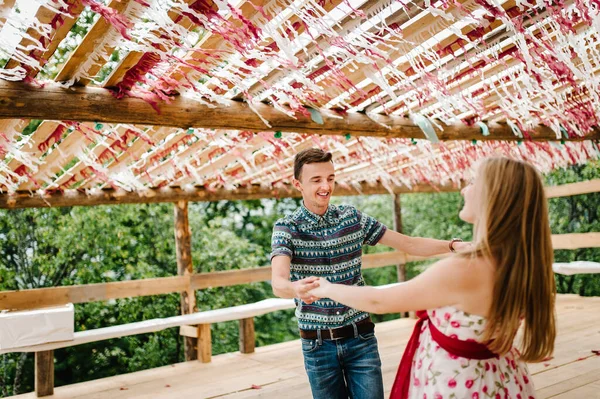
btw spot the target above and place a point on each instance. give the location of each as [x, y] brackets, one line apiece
[367, 336]
[309, 345]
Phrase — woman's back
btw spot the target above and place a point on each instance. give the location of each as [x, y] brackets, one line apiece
[477, 291]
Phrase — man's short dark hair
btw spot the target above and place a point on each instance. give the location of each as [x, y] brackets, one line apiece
[311, 155]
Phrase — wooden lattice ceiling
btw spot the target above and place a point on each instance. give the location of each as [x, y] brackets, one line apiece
[211, 99]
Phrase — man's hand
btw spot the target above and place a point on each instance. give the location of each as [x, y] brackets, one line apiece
[301, 288]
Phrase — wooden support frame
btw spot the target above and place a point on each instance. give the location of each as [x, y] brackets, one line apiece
[183, 248]
[44, 373]
[204, 343]
[247, 335]
[397, 216]
[19, 100]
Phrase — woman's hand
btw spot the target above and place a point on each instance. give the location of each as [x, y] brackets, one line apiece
[322, 291]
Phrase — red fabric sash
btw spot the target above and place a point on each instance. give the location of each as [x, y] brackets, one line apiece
[454, 346]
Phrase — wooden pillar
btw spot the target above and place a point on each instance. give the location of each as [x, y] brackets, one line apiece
[247, 338]
[401, 268]
[44, 373]
[183, 247]
[397, 212]
[204, 343]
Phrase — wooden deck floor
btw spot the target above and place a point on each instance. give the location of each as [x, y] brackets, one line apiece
[277, 371]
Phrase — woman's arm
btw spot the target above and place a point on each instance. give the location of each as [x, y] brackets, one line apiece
[443, 284]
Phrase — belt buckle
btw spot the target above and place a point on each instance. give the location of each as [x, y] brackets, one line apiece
[331, 334]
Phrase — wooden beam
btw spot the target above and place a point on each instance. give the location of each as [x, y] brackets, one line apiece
[231, 277]
[566, 190]
[44, 373]
[576, 240]
[110, 196]
[20, 100]
[247, 337]
[55, 296]
[183, 249]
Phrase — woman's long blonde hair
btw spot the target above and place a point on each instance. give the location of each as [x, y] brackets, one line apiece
[513, 230]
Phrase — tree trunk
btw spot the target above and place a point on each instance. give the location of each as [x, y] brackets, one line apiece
[19, 373]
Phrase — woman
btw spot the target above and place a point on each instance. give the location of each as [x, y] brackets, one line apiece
[462, 346]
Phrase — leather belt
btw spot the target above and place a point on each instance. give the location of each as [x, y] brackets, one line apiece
[363, 327]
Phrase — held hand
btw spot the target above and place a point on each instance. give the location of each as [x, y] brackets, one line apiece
[321, 291]
[302, 288]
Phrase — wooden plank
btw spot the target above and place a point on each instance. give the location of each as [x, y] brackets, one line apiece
[46, 16]
[580, 378]
[46, 297]
[565, 190]
[133, 57]
[110, 196]
[5, 9]
[247, 337]
[19, 100]
[183, 249]
[189, 331]
[88, 45]
[575, 241]
[230, 277]
[382, 259]
[204, 343]
[44, 373]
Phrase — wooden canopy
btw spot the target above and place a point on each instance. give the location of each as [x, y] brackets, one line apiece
[211, 99]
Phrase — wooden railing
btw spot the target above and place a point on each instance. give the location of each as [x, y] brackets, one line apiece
[56, 296]
[195, 325]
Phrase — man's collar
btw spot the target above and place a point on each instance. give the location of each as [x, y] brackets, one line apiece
[313, 217]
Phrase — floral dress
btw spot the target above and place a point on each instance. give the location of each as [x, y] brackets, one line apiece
[436, 374]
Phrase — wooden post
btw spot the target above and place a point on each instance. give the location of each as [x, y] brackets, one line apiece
[397, 211]
[44, 373]
[247, 339]
[204, 343]
[183, 245]
[401, 268]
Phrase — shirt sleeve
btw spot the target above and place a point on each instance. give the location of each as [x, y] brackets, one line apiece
[281, 240]
[372, 229]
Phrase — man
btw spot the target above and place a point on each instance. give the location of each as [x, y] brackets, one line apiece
[322, 240]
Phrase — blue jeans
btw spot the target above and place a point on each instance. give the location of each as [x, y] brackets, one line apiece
[344, 368]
